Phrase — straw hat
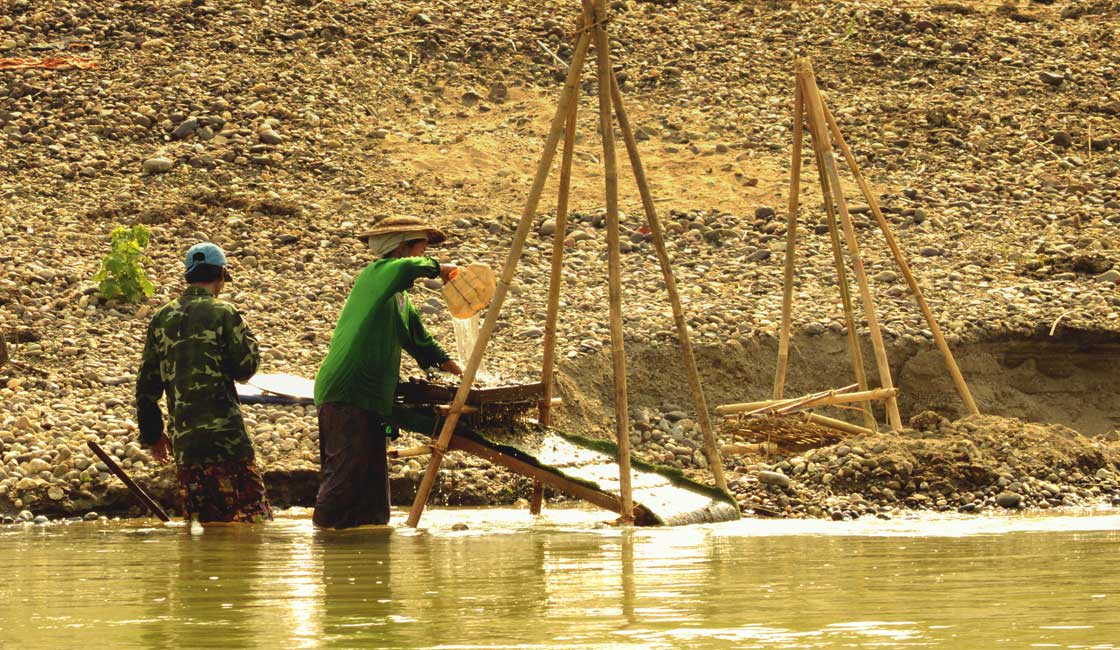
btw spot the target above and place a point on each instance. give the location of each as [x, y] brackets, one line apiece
[404, 224]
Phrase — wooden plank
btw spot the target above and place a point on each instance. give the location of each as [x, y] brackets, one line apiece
[551, 479]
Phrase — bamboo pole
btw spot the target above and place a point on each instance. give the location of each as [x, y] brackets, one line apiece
[854, 347]
[833, 423]
[791, 240]
[614, 262]
[839, 425]
[549, 362]
[568, 95]
[819, 129]
[800, 400]
[711, 447]
[409, 452]
[903, 265]
[137, 492]
[751, 448]
[877, 394]
[826, 399]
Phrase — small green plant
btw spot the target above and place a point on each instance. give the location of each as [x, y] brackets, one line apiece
[121, 277]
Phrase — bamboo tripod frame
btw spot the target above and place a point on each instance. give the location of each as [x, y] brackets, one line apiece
[811, 112]
[592, 28]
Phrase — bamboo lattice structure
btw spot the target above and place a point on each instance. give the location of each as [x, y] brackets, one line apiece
[812, 114]
[592, 31]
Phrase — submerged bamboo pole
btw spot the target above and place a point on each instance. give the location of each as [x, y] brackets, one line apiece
[614, 262]
[819, 129]
[692, 371]
[903, 265]
[791, 240]
[854, 347]
[571, 87]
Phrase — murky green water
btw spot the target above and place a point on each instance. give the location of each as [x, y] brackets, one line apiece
[559, 582]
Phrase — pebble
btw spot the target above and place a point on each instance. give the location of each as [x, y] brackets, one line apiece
[185, 128]
[773, 478]
[1051, 78]
[1111, 276]
[270, 137]
[157, 165]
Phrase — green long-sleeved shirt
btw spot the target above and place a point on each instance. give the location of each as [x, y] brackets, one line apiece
[197, 346]
[363, 364]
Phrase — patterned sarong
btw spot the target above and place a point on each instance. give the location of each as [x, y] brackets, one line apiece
[230, 491]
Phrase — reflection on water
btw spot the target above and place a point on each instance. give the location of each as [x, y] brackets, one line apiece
[564, 582]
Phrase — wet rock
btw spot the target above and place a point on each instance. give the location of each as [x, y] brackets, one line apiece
[1009, 500]
[91, 516]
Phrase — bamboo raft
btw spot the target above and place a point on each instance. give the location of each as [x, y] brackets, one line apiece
[495, 427]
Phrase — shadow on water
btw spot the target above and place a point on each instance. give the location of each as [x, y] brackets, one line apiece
[564, 582]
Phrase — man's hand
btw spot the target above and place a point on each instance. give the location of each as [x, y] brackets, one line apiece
[451, 367]
[447, 272]
[161, 451]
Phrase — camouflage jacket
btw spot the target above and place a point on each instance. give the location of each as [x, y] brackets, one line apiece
[197, 346]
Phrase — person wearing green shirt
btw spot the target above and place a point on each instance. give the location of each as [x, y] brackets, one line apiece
[357, 381]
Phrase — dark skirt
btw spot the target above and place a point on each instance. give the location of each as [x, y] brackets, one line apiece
[353, 469]
[230, 491]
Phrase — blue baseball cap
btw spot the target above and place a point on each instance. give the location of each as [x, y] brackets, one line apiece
[205, 253]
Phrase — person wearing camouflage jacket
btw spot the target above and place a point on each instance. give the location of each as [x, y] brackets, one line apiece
[197, 346]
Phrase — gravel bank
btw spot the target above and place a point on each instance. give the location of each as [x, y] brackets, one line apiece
[279, 130]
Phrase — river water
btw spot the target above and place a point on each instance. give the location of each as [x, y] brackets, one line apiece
[563, 581]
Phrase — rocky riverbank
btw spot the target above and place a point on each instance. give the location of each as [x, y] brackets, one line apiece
[280, 129]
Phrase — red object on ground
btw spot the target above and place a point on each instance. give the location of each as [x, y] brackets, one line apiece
[49, 63]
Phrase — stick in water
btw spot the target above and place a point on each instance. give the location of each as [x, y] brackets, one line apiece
[140, 494]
